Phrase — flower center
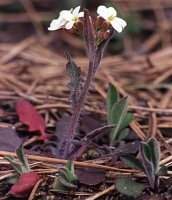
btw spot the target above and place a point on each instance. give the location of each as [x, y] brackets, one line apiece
[111, 18]
[75, 19]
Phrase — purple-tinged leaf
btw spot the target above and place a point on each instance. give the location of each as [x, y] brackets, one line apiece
[7, 144]
[155, 153]
[147, 164]
[90, 176]
[89, 35]
[123, 149]
[96, 133]
[74, 73]
[85, 142]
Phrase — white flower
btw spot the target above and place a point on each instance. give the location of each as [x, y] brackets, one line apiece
[67, 19]
[109, 14]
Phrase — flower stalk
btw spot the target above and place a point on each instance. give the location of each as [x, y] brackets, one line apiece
[96, 35]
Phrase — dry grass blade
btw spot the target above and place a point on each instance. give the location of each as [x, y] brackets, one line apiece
[60, 161]
[99, 194]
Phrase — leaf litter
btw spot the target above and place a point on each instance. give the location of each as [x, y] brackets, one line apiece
[119, 76]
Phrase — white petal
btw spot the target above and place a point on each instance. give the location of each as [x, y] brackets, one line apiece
[63, 12]
[76, 11]
[81, 14]
[121, 22]
[111, 11]
[116, 26]
[69, 25]
[67, 15]
[103, 12]
[55, 25]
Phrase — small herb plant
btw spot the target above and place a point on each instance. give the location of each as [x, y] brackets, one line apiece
[149, 162]
[66, 179]
[97, 34]
[26, 179]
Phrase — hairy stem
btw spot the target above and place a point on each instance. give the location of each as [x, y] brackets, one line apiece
[78, 108]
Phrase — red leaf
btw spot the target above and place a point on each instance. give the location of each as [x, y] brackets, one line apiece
[25, 184]
[29, 116]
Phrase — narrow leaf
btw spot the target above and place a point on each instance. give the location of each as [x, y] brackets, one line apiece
[147, 164]
[132, 162]
[147, 151]
[67, 184]
[129, 187]
[21, 156]
[15, 164]
[96, 133]
[112, 98]
[118, 113]
[74, 73]
[155, 153]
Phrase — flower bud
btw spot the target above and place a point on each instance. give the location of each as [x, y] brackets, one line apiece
[105, 34]
[105, 25]
[79, 25]
[98, 22]
[101, 36]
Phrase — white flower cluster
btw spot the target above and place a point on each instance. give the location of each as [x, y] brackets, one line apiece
[67, 18]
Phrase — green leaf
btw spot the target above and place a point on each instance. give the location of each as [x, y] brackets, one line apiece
[13, 179]
[155, 153]
[118, 113]
[132, 162]
[58, 186]
[67, 184]
[122, 134]
[70, 176]
[147, 151]
[69, 172]
[129, 187]
[21, 156]
[127, 120]
[112, 98]
[70, 166]
[16, 165]
[147, 164]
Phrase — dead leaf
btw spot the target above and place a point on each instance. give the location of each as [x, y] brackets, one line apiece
[28, 115]
[90, 176]
[9, 140]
